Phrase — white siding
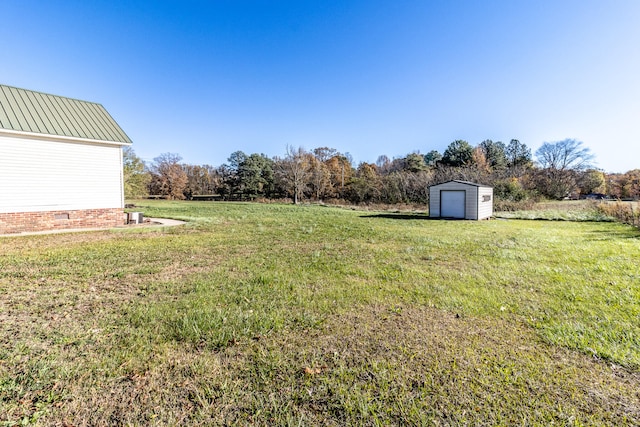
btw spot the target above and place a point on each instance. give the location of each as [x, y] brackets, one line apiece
[39, 175]
[485, 202]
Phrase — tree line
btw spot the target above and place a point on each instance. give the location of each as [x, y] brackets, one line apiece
[560, 169]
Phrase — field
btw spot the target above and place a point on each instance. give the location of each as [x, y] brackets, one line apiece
[308, 315]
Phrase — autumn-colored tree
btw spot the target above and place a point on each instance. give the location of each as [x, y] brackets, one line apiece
[624, 185]
[340, 174]
[479, 160]
[324, 153]
[634, 183]
[201, 180]
[168, 178]
[320, 177]
[592, 181]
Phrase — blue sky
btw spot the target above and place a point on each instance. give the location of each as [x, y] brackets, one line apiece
[371, 78]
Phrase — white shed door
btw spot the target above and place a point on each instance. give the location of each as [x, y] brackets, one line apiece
[452, 204]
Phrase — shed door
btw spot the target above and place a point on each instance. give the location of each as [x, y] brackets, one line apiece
[452, 204]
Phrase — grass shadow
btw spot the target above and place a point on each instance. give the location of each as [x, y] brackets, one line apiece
[631, 233]
[404, 216]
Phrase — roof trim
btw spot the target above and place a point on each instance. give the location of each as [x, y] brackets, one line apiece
[60, 138]
[38, 113]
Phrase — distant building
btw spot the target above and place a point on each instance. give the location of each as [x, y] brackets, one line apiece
[60, 163]
[460, 200]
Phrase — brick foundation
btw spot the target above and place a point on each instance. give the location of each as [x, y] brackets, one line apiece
[19, 222]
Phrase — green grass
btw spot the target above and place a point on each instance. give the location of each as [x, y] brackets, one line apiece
[309, 315]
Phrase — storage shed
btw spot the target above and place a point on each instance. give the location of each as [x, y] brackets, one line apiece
[60, 163]
[460, 200]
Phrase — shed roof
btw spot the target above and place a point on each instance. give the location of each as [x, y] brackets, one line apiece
[24, 110]
[475, 184]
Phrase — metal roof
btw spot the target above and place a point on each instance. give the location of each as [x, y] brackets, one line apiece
[475, 184]
[28, 111]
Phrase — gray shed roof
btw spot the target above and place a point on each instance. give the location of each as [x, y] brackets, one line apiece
[475, 184]
[28, 111]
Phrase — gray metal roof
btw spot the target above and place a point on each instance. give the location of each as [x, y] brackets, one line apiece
[475, 184]
[28, 111]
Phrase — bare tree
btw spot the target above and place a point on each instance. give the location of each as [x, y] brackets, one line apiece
[201, 179]
[560, 163]
[294, 172]
[567, 154]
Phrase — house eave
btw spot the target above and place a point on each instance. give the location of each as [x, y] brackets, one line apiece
[60, 138]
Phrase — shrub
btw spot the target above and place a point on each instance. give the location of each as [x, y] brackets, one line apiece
[509, 190]
[500, 205]
[625, 212]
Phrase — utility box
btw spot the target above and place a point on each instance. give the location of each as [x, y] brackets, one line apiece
[460, 200]
[135, 218]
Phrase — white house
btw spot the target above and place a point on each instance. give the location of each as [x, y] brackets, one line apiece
[60, 163]
[460, 200]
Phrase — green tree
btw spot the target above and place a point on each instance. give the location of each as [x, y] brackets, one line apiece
[225, 181]
[495, 154]
[232, 184]
[135, 174]
[509, 189]
[414, 162]
[432, 158]
[235, 159]
[365, 185]
[458, 153]
[255, 176]
[518, 157]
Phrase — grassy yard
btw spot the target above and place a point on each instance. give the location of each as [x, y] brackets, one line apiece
[309, 315]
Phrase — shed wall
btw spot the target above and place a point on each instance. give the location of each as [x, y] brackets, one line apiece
[40, 175]
[471, 202]
[485, 207]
